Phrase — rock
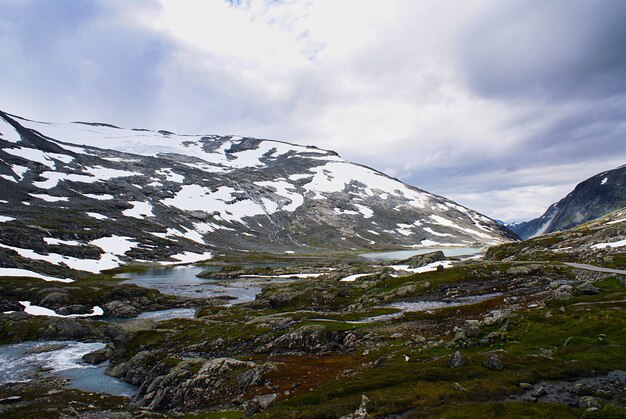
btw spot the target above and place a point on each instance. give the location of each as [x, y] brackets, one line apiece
[586, 288]
[10, 399]
[361, 412]
[540, 392]
[495, 317]
[54, 299]
[259, 403]
[201, 384]
[588, 402]
[418, 261]
[119, 308]
[525, 386]
[99, 356]
[458, 387]
[494, 363]
[456, 360]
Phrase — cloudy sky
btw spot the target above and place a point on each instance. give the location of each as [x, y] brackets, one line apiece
[502, 106]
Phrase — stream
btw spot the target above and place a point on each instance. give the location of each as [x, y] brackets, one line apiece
[23, 362]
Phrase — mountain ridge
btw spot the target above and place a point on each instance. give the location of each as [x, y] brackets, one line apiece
[590, 199]
[172, 198]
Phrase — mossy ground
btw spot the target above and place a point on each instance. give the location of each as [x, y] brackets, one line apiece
[558, 340]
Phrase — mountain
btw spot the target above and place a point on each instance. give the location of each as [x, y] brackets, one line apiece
[91, 196]
[599, 242]
[591, 199]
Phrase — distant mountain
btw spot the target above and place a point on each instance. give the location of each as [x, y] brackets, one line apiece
[91, 196]
[591, 199]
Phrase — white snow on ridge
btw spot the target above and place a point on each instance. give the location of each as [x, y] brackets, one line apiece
[112, 246]
[171, 176]
[223, 200]
[335, 176]
[189, 257]
[42, 311]
[53, 241]
[31, 154]
[8, 133]
[50, 198]
[139, 210]
[4, 219]
[99, 197]
[97, 216]
[431, 231]
[286, 190]
[98, 174]
[353, 278]
[604, 181]
[15, 272]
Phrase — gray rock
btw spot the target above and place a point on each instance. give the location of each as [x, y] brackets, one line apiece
[54, 298]
[587, 402]
[361, 412]
[494, 363]
[586, 288]
[418, 261]
[456, 360]
[118, 308]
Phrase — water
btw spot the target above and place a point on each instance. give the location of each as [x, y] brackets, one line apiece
[173, 313]
[19, 363]
[412, 306]
[405, 254]
[182, 281]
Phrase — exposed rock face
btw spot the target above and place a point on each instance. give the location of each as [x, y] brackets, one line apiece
[591, 199]
[193, 384]
[164, 197]
[418, 261]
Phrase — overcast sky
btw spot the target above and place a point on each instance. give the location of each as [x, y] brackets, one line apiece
[502, 106]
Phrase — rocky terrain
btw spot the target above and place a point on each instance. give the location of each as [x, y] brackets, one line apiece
[590, 199]
[530, 328]
[81, 198]
[519, 334]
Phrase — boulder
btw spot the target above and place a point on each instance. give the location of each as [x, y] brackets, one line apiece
[494, 363]
[119, 308]
[586, 288]
[418, 261]
[456, 360]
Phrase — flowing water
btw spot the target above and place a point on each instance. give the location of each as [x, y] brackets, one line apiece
[22, 361]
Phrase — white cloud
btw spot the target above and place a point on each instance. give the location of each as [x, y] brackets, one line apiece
[391, 84]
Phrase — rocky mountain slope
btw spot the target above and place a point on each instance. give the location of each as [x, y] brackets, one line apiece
[89, 197]
[599, 242]
[593, 198]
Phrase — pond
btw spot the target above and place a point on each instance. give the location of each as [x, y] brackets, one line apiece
[182, 281]
[405, 254]
[22, 361]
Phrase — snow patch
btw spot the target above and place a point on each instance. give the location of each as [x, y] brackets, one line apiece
[42, 311]
[139, 210]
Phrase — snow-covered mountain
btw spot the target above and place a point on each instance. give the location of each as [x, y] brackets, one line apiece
[590, 199]
[91, 196]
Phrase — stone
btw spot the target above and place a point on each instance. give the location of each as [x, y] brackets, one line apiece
[586, 288]
[456, 360]
[494, 363]
[54, 298]
[361, 412]
[588, 402]
[418, 261]
[540, 392]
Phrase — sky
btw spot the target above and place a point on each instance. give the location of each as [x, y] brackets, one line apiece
[502, 106]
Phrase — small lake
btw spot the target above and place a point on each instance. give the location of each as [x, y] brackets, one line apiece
[20, 363]
[182, 281]
[405, 254]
